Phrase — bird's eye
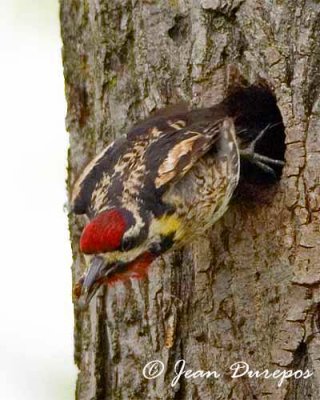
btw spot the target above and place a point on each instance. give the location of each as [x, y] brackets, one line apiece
[127, 243]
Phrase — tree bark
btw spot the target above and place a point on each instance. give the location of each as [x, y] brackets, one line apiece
[248, 290]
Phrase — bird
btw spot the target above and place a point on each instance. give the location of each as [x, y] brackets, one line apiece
[168, 180]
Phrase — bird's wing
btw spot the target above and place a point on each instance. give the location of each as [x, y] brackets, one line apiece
[101, 168]
[98, 171]
[142, 164]
[174, 153]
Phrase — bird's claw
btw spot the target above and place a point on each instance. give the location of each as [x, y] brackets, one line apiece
[258, 159]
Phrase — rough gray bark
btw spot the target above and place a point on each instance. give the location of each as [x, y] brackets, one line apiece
[249, 290]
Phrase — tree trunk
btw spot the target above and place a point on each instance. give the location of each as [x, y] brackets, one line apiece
[247, 291]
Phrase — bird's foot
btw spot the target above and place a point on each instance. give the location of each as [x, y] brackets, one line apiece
[263, 162]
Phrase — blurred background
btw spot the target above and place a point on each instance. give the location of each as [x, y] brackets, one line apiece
[36, 318]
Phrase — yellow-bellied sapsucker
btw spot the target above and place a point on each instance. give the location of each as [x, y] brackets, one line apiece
[168, 180]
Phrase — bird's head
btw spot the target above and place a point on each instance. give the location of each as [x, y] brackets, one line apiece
[118, 250]
[111, 241]
[109, 231]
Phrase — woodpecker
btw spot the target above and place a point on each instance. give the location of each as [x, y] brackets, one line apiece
[167, 181]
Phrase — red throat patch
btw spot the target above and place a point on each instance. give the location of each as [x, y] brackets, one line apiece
[136, 269]
[103, 233]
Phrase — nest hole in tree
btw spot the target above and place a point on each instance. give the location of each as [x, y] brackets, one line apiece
[256, 185]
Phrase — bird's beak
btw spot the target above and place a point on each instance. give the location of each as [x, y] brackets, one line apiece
[91, 282]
